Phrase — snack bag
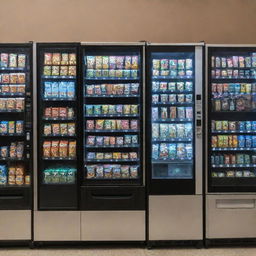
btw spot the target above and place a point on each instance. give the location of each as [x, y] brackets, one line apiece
[4, 60]
[119, 62]
[164, 130]
[71, 90]
[90, 170]
[14, 78]
[64, 70]
[55, 149]
[98, 64]
[47, 149]
[156, 63]
[134, 172]
[10, 104]
[21, 88]
[118, 155]
[19, 179]
[128, 62]
[55, 70]
[72, 149]
[180, 130]
[135, 62]
[19, 127]
[62, 90]
[47, 90]
[125, 171]
[64, 59]
[56, 129]
[116, 171]
[63, 112]
[99, 171]
[173, 112]
[55, 112]
[12, 60]
[13, 150]
[90, 73]
[63, 129]
[63, 148]
[125, 124]
[155, 131]
[4, 152]
[47, 129]
[55, 89]
[21, 60]
[48, 59]
[72, 70]
[71, 129]
[56, 58]
[72, 59]
[5, 78]
[163, 153]
[155, 151]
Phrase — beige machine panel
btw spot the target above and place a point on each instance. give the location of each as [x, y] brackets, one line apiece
[15, 225]
[175, 217]
[113, 226]
[230, 216]
[56, 225]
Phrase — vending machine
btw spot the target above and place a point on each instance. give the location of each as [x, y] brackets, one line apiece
[230, 142]
[16, 165]
[113, 181]
[57, 132]
[174, 143]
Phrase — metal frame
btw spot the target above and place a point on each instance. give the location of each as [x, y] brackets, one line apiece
[113, 43]
[175, 44]
[198, 117]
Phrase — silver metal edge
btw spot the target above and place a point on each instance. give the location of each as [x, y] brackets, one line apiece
[198, 141]
[176, 44]
[113, 43]
[206, 120]
[144, 114]
[230, 45]
[35, 125]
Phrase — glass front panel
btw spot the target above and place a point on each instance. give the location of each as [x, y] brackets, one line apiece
[232, 124]
[172, 115]
[112, 115]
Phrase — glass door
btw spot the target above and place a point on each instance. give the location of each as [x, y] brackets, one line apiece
[232, 121]
[112, 115]
[171, 126]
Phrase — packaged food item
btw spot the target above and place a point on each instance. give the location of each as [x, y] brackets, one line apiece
[155, 86]
[125, 171]
[71, 129]
[155, 131]
[163, 86]
[48, 59]
[4, 127]
[214, 141]
[90, 171]
[55, 129]
[72, 149]
[47, 129]
[4, 60]
[64, 70]
[19, 127]
[55, 70]
[5, 78]
[55, 148]
[173, 112]
[164, 130]
[107, 171]
[117, 155]
[4, 152]
[63, 128]
[125, 155]
[241, 141]
[47, 149]
[72, 59]
[56, 58]
[72, 70]
[71, 90]
[63, 148]
[181, 151]
[180, 130]
[13, 150]
[12, 60]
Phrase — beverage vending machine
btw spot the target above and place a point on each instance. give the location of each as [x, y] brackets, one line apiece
[174, 143]
[16, 165]
[230, 142]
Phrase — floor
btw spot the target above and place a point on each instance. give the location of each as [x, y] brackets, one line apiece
[130, 252]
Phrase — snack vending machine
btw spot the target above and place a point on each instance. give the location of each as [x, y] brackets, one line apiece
[174, 142]
[56, 215]
[231, 142]
[113, 187]
[16, 141]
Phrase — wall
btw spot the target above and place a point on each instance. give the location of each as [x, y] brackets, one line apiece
[215, 21]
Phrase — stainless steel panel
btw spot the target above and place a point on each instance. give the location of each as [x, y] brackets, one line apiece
[112, 43]
[175, 44]
[113, 225]
[198, 117]
[230, 216]
[35, 169]
[56, 225]
[15, 225]
[175, 217]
